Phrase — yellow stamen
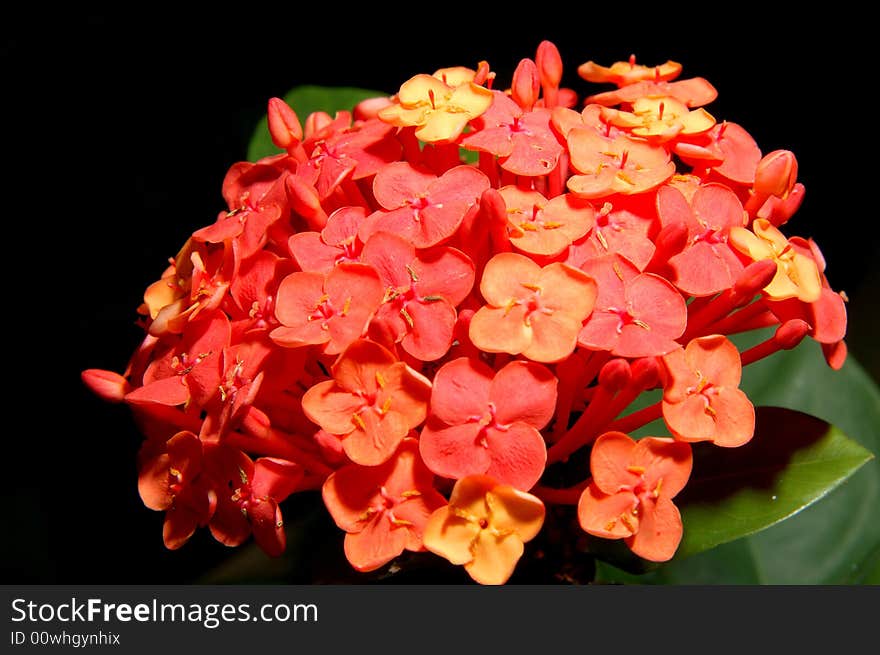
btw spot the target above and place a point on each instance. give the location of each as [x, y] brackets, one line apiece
[657, 488]
[386, 406]
[638, 470]
[380, 380]
[346, 306]
[358, 421]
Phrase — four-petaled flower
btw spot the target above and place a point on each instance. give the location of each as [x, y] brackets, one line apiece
[797, 275]
[484, 527]
[701, 396]
[630, 495]
[383, 509]
[531, 310]
[372, 402]
[438, 111]
[421, 207]
[487, 422]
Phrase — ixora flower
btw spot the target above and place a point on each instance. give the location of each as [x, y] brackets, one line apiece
[435, 307]
[484, 527]
[630, 496]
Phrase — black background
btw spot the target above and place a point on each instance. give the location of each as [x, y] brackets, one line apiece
[119, 129]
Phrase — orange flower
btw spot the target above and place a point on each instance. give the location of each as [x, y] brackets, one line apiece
[484, 528]
[630, 496]
[372, 402]
[531, 310]
[701, 398]
[622, 73]
[545, 227]
[618, 165]
[383, 509]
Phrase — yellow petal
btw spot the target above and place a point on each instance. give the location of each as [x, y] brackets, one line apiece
[450, 536]
[495, 558]
[470, 99]
[442, 126]
[455, 76]
[418, 89]
[511, 509]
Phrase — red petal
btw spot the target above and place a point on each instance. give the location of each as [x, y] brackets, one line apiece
[599, 513]
[454, 452]
[399, 182]
[609, 461]
[376, 545]
[660, 531]
[524, 391]
[461, 390]
[518, 455]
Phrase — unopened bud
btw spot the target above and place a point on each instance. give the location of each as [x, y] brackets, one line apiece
[645, 372]
[754, 277]
[526, 84]
[317, 121]
[549, 64]
[615, 375]
[791, 333]
[305, 201]
[370, 108]
[107, 385]
[283, 124]
[776, 174]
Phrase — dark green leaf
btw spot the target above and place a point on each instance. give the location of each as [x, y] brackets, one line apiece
[792, 461]
[305, 100]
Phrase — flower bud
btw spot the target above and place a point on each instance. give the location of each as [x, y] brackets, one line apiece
[615, 375]
[549, 64]
[776, 174]
[283, 124]
[526, 84]
[791, 333]
[107, 385]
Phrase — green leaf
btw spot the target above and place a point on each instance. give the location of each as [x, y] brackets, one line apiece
[305, 100]
[793, 460]
[834, 541]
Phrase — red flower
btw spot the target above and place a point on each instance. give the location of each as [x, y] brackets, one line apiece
[169, 480]
[336, 243]
[421, 292]
[421, 207]
[333, 309]
[248, 494]
[707, 265]
[521, 139]
[636, 314]
[383, 509]
[483, 422]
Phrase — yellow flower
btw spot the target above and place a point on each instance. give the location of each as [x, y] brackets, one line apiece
[484, 527]
[439, 111]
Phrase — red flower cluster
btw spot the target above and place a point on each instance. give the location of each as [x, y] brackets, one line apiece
[421, 338]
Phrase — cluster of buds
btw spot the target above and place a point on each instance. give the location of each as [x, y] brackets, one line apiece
[422, 307]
